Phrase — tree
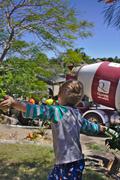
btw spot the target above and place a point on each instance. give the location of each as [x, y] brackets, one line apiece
[19, 76]
[112, 12]
[85, 57]
[74, 57]
[52, 22]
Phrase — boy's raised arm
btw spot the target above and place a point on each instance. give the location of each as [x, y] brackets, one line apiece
[44, 112]
[11, 102]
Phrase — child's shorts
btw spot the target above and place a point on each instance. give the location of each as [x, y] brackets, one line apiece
[69, 171]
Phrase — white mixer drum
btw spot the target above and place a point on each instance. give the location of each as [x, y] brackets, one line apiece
[101, 83]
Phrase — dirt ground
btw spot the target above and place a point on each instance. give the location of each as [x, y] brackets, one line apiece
[17, 133]
[95, 151]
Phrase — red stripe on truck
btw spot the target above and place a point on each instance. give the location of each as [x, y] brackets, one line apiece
[104, 84]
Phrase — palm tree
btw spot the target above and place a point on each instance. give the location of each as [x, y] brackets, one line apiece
[112, 12]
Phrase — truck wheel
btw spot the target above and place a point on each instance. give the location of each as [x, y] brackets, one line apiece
[93, 117]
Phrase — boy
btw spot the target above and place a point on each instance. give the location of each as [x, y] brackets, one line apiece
[66, 124]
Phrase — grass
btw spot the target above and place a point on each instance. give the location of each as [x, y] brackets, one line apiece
[96, 147]
[23, 162]
[92, 175]
[33, 162]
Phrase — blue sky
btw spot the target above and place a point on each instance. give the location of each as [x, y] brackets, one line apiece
[106, 40]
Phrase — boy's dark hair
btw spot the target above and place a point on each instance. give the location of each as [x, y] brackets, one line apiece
[71, 92]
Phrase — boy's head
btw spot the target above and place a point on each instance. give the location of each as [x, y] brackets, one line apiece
[70, 93]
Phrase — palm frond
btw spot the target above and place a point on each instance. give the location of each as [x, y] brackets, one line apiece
[112, 13]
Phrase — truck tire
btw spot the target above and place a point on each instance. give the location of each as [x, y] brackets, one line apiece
[94, 117]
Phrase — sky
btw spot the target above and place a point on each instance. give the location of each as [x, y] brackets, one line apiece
[106, 40]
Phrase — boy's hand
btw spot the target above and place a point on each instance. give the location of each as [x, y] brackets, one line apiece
[7, 102]
[103, 128]
[10, 102]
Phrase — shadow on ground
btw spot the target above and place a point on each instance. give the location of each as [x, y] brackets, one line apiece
[39, 171]
[24, 171]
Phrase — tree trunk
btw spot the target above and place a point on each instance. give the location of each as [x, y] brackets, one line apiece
[4, 54]
[7, 46]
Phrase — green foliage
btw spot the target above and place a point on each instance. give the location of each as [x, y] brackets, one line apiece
[18, 76]
[74, 57]
[2, 94]
[53, 22]
[2, 80]
[18, 45]
[56, 67]
[110, 59]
